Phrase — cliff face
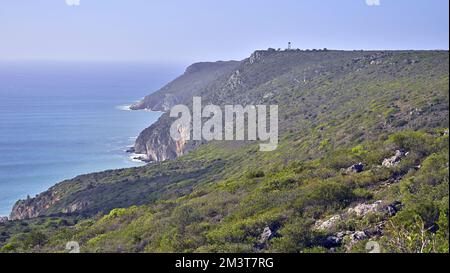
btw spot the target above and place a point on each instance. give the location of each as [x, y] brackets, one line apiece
[31, 208]
[157, 144]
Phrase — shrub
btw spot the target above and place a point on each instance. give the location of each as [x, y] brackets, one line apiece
[328, 194]
[419, 142]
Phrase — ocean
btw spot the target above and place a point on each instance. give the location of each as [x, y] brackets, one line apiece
[60, 120]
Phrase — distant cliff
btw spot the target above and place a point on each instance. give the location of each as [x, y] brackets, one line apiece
[30, 208]
[195, 79]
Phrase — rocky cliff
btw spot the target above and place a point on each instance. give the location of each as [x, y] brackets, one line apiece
[155, 142]
[34, 207]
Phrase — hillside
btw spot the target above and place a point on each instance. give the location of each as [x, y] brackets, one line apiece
[197, 77]
[288, 78]
[363, 155]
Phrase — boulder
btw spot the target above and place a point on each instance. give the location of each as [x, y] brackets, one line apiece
[394, 208]
[342, 234]
[349, 238]
[357, 236]
[357, 168]
[395, 160]
[332, 241]
[267, 235]
[3, 219]
[364, 209]
[375, 231]
[328, 224]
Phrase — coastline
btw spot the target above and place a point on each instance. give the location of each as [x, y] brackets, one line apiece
[139, 158]
[121, 153]
[129, 107]
[136, 157]
[67, 126]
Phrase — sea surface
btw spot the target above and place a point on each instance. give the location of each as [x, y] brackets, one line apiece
[60, 120]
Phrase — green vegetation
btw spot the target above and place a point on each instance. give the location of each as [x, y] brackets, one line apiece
[222, 196]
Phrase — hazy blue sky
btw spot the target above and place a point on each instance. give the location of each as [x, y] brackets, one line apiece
[183, 31]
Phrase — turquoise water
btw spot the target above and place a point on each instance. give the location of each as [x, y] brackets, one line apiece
[62, 120]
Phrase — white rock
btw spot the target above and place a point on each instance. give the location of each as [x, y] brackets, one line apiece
[364, 209]
[328, 224]
[393, 161]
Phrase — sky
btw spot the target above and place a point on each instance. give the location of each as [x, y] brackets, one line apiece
[186, 31]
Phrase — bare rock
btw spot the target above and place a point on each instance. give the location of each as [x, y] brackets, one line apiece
[357, 168]
[394, 208]
[332, 242]
[395, 160]
[34, 207]
[328, 224]
[364, 209]
[375, 231]
[235, 80]
[356, 237]
[267, 235]
[75, 207]
[259, 55]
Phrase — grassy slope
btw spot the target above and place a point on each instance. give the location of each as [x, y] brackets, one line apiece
[221, 196]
